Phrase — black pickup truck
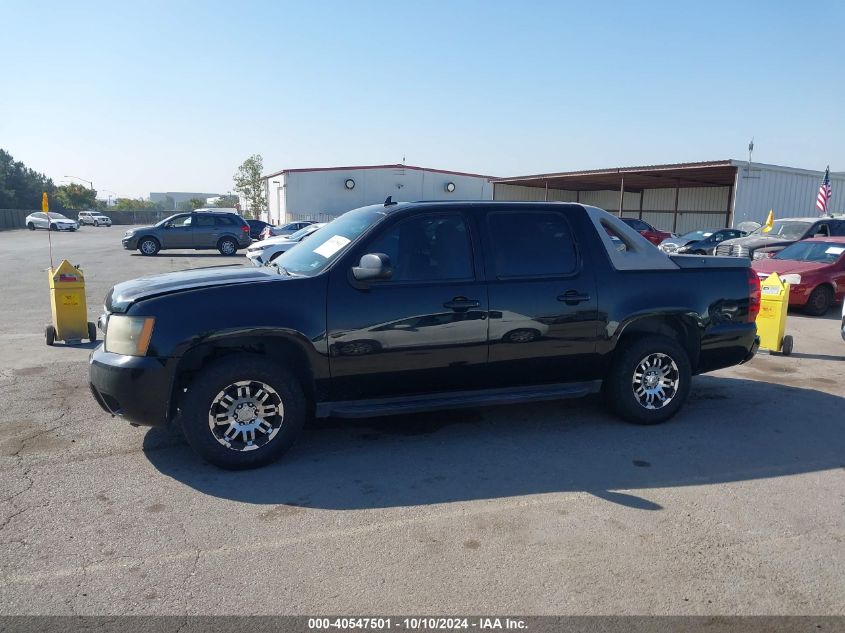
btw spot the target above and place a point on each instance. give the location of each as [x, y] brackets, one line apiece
[409, 307]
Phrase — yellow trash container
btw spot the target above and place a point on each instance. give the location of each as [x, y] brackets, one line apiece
[67, 301]
[771, 321]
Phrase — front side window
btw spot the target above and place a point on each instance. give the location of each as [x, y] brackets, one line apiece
[531, 243]
[181, 221]
[427, 248]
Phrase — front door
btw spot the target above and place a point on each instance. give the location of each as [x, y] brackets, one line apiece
[177, 233]
[423, 330]
[544, 319]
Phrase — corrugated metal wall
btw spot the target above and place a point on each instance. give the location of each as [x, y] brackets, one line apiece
[788, 192]
[698, 207]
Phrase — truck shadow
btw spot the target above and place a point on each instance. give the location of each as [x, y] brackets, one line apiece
[730, 430]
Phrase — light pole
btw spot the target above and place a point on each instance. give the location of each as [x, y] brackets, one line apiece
[82, 179]
[111, 193]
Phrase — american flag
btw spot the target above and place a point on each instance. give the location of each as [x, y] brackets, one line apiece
[824, 193]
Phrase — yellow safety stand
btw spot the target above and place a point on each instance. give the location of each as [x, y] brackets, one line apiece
[771, 321]
[67, 301]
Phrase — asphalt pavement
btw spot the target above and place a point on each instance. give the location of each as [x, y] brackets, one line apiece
[737, 506]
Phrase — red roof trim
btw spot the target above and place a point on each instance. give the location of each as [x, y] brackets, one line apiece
[355, 167]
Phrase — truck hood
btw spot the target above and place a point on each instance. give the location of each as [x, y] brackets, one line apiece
[125, 294]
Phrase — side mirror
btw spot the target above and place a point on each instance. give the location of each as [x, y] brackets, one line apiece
[373, 266]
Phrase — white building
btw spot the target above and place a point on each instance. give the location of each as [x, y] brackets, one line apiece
[325, 192]
[685, 196]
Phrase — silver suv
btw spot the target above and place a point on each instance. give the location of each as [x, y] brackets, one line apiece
[227, 232]
[94, 218]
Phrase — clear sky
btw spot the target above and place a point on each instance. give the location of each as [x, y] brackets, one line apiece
[170, 95]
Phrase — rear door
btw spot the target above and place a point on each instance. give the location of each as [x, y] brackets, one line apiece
[544, 321]
[425, 329]
[204, 231]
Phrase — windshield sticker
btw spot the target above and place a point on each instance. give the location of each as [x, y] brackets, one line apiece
[331, 246]
[836, 250]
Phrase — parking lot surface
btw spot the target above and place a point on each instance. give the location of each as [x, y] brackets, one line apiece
[737, 506]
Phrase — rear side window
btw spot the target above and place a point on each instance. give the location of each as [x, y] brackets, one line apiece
[204, 220]
[225, 220]
[837, 228]
[531, 243]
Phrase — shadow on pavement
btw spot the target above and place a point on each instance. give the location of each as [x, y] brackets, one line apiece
[730, 430]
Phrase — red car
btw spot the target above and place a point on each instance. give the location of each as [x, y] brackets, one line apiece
[814, 269]
[653, 235]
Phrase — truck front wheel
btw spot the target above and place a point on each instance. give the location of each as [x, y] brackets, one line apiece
[650, 379]
[242, 412]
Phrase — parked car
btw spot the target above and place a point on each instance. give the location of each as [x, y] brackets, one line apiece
[94, 218]
[241, 356]
[653, 235]
[814, 269]
[701, 242]
[56, 222]
[227, 232]
[264, 252]
[256, 227]
[760, 244]
[287, 229]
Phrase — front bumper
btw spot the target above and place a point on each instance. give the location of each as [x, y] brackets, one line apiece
[135, 388]
[130, 243]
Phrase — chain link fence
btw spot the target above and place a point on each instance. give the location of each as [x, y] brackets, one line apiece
[16, 218]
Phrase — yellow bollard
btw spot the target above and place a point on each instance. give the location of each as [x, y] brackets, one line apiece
[67, 302]
[771, 321]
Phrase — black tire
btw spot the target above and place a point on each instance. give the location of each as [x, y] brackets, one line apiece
[202, 399]
[619, 384]
[786, 345]
[819, 302]
[92, 332]
[53, 227]
[227, 246]
[96, 224]
[50, 334]
[149, 246]
[30, 226]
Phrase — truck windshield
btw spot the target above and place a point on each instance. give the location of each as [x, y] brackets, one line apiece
[318, 250]
[788, 229]
[821, 252]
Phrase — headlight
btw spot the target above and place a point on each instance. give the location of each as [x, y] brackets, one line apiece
[682, 249]
[128, 335]
[761, 255]
[792, 280]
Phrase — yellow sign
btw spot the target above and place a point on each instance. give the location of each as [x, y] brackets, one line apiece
[770, 221]
[45, 206]
[70, 300]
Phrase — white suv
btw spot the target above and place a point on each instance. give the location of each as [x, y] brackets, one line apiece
[94, 217]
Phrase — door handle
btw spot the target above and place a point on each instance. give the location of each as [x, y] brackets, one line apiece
[461, 304]
[573, 297]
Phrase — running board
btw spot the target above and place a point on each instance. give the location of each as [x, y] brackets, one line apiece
[454, 400]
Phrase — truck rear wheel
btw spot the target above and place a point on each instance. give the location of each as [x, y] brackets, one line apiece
[650, 379]
[243, 412]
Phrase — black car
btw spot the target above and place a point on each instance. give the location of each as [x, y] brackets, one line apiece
[227, 232]
[700, 242]
[255, 228]
[400, 308]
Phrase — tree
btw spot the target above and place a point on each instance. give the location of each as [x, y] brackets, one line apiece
[21, 187]
[226, 202]
[249, 184]
[76, 196]
[136, 204]
[191, 205]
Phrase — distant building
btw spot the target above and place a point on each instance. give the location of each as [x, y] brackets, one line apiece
[322, 193]
[180, 196]
[684, 197]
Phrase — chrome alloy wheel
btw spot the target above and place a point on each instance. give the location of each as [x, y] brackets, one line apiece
[148, 247]
[656, 380]
[228, 247]
[246, 415]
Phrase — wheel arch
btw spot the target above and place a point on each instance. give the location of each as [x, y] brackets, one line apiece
[680, 327]
[282, 348]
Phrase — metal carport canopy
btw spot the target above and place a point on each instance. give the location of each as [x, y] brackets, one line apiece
[721, 173]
